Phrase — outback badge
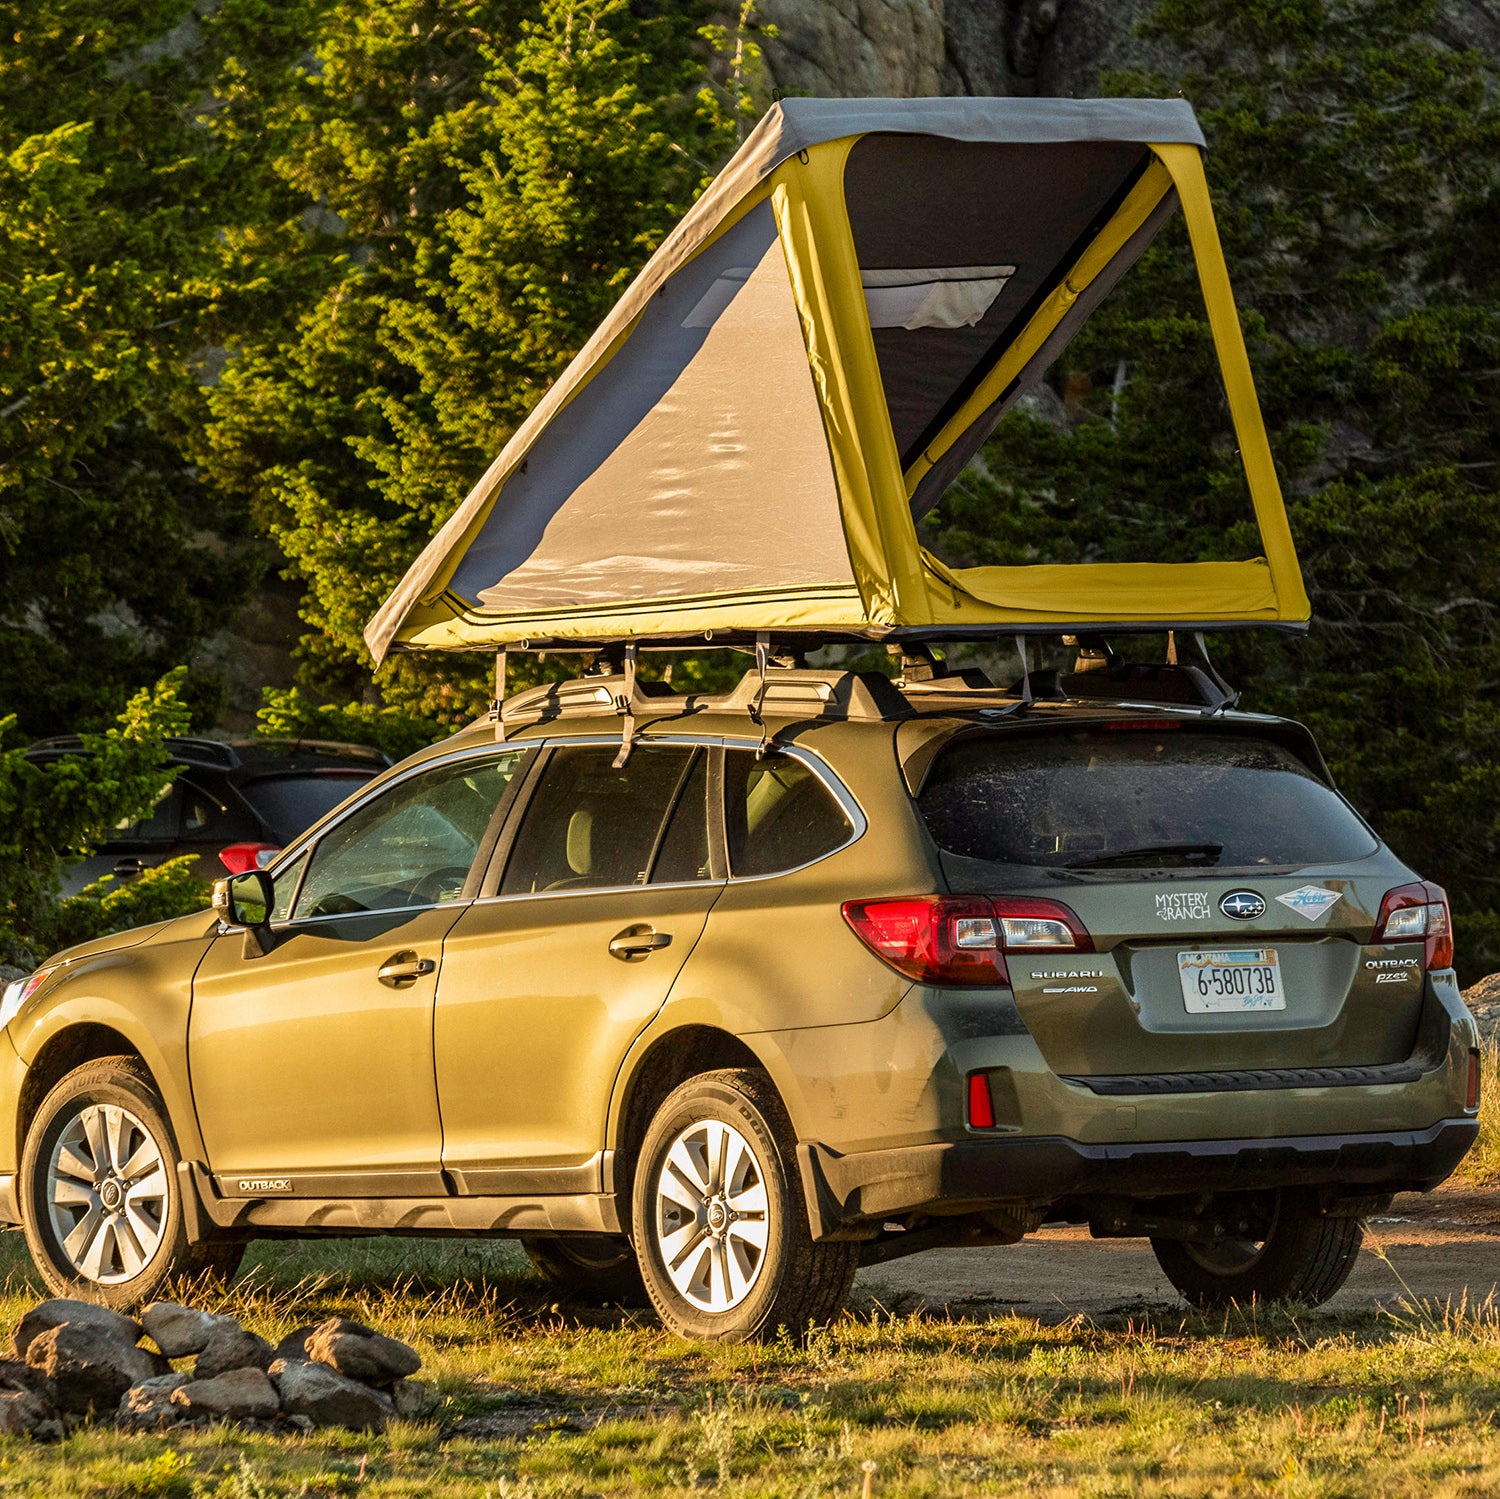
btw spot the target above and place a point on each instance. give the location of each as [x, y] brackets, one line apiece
[1243, 905]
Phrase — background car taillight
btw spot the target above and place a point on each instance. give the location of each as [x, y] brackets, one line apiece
[962, 939]
[240, 857]
[1418, 913]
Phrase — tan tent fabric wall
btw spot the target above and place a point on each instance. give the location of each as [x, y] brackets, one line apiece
[790, 127]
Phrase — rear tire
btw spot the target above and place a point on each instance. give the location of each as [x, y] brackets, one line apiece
[101, 1203]
[1305, 1257]
[593, 1269]
[720, 1227]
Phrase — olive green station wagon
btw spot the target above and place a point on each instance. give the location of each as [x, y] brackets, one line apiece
[740, 1010]
[717, 998]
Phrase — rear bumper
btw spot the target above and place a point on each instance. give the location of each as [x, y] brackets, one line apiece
[846, 1193]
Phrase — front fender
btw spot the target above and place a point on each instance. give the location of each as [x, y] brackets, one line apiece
[142, 992]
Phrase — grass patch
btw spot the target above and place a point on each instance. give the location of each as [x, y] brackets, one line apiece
[537, 1401]
[1482, 1164]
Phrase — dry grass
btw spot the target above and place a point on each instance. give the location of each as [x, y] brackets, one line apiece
[534, 1401]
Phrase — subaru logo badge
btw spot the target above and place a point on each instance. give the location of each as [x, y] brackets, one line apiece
[1243, 905]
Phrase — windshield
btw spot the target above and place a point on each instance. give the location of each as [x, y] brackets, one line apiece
[1112, 799]
[292, 804]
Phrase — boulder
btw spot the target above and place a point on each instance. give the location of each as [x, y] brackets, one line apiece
[87, 1367]
[148, 1406]
[15, 1375]
[180, 1331]
[327, 1398]
[49, 1314]
[294, 1344]
[410, 1397]
[244, 1394]
[359, 1352]
[231, 1346]
[24, 1413]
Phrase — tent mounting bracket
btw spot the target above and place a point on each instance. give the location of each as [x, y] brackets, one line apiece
[497, 703]
[625, 704]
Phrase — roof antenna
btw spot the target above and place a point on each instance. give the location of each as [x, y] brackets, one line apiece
[497, 706]
[625, 704]
[757, 715]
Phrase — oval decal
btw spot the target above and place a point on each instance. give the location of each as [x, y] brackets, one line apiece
[1243, 905]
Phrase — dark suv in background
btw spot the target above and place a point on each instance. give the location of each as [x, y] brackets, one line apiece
[233, 804]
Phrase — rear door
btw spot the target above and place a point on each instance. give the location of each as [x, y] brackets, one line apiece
[1230, 893]
[593, 906]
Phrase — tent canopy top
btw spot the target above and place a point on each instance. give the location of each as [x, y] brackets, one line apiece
[808, 361]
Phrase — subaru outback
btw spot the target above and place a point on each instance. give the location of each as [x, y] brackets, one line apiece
[720, 1001]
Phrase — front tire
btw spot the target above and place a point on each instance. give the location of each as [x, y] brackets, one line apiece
[1304, 1257]
[720, 1228]
[100, 1199]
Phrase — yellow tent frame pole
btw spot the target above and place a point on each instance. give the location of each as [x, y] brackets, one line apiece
[1140, 203]
[1185, 163]
[807, 196]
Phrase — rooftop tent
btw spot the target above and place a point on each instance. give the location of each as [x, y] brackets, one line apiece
[810, 358]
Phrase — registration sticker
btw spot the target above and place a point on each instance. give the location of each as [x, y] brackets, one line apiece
[1231, 979]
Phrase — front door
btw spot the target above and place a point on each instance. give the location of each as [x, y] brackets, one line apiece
[312, 1064]
[606, 886]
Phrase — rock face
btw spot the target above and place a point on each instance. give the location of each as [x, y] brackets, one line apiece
[912, 48]
[327, 1398]
[244, 1394]
[1483, 1000]
[54, 1313]
[358, 1352]
[88, 1367]
[179, 1331]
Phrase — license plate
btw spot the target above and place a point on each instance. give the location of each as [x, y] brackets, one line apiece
[1231, 979]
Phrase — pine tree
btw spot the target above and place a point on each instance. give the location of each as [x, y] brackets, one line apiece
[477, 183]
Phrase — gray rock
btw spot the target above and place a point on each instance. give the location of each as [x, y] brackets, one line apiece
[87, 1367]
[180, 1331]
[410, 1397]
[327, 1398]
[294, 1344]
[49, 1314]
[15, 1375]
[148, 1406]
[359, 1352]
[24, 1413]
[230, 1346]
[244, 1394]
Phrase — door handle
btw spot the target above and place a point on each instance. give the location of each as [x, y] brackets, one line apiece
[404, 969]
[129, 867]
[637, 942]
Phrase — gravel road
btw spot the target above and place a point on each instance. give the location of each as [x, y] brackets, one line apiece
[1439, 1246]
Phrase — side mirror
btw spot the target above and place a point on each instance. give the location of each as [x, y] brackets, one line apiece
[245, 900]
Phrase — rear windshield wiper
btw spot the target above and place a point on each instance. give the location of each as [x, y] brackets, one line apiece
[1193, 853]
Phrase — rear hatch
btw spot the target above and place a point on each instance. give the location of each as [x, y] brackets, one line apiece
[1231, 895]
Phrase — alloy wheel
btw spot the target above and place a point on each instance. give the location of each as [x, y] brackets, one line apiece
[712, 1215]
[106, 1193]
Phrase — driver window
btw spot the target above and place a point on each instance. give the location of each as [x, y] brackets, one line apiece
[413, 846]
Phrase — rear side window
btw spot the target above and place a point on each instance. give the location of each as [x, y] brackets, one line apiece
[292, 804]
[778, 814]
[590, 826]
[1100, 799]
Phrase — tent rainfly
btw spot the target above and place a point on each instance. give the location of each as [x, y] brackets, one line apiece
[812, 356]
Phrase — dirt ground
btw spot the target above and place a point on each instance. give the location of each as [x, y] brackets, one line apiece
[1437, 1247]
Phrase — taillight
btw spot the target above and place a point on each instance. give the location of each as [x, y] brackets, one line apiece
[962, 939]
[1418, 913]
[239, 858]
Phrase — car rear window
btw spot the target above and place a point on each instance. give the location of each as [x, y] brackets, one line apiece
[1102, 799]
[292, 804]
